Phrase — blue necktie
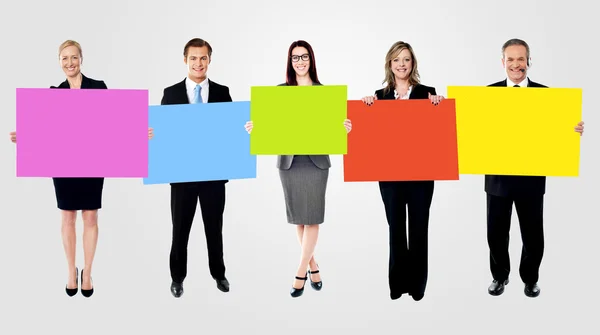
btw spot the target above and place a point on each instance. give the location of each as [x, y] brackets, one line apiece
[197, 96]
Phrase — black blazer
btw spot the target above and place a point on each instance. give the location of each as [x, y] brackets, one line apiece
[177, 95]
[85, 83]
[418, 92]
[505, 186]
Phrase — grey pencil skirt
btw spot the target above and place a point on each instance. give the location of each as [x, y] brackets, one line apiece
[304, 186]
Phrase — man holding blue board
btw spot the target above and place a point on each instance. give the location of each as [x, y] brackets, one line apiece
[197, 88]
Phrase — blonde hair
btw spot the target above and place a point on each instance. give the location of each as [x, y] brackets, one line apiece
[70, 43]
[394, 51]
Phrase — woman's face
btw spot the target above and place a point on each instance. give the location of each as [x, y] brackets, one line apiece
[402, 65]
[70, 60]
[300, 61]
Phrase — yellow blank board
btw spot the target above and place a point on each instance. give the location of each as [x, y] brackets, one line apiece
[517, 131]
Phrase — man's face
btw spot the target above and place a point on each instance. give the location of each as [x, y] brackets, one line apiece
[515, 62]
[197, 61]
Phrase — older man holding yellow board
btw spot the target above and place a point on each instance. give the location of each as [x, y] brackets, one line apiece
[517, 137]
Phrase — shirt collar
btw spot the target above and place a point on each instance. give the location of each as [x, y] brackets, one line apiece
[191, 85]
[524, 83]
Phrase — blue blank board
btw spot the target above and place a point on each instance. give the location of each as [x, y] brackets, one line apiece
[199, 142]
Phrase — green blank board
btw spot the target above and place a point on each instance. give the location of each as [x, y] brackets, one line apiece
[298, 120]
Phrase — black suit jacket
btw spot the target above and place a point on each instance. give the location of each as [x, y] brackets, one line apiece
[177, 95]
[418, 92]
[505, 186]
[85, 83]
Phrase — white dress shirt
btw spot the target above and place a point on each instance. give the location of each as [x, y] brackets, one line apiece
[524, 83]
[191, 87]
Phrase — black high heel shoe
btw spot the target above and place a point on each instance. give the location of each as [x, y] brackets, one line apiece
[72, 291]
[317, 285]
[296, 292]
[86, 293]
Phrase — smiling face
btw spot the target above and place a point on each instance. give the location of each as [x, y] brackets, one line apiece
[70, 60]
[515, 63]
[402, 65]
[197, 61]
[300, 61]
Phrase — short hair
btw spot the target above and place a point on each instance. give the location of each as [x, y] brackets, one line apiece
[197, 43]
[312, 69]
[516, 41]
[70, 43]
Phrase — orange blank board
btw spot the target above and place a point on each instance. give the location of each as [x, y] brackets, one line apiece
[401, 140]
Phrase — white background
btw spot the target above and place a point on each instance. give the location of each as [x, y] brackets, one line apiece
[137, 44]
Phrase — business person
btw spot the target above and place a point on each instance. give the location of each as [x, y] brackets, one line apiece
[304, 177]
[78, 194]
[408, 258]
[197, 88]
[526, 192]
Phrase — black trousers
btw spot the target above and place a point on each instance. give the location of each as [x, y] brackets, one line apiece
[408, 257]
[530, 210]
[184, 200]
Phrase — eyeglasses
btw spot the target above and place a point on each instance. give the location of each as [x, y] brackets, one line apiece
[296, 58]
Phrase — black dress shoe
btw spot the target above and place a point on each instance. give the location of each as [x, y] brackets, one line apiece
[86, 293]
[395, 295]
[532, 290]
[223, 285]
[497, 288]
[296, 292]
[176, 289]
[315, 285]
[72, 291]
[417, 296]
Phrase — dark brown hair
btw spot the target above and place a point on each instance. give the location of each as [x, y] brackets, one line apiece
[312, 69]
[197, 43]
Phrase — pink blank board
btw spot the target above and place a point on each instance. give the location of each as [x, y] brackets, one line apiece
[82, 133]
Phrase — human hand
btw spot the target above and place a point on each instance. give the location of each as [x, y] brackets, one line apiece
[435, 99]
[348, 125]
[13, 136]
[150, 133]
[369, 100]
[249, 125]
[579, 128]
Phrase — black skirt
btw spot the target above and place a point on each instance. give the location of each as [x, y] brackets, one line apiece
[78, 193]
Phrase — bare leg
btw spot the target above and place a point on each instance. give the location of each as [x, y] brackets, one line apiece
[309, 242]
[312, 263]
[69, 240]
[90, 239]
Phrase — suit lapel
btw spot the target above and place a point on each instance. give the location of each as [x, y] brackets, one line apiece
[85, 82]
[414, 92]
[390, 95]
[211, 91]
[182, 93]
